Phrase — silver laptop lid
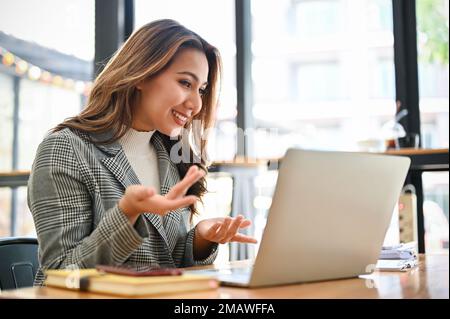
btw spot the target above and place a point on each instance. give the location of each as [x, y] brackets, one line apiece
[329, 215]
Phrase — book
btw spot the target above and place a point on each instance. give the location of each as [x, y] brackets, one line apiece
[395, 265]
[399, 257]
[402, 251]
[93, 280]
[397, 254]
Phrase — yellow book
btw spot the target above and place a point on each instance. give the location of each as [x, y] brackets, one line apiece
[92, 280]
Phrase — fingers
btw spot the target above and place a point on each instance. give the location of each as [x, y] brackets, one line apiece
[233, 228]
[211, 233]
[240, 238]
[140, 192]
[229, 228]
[223, 230]
[182, 202]
[131, 201]
[191, 170]
[245, 223]
[148, 192]
[161, 205]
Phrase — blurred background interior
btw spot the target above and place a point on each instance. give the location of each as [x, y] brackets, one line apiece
[315, 74]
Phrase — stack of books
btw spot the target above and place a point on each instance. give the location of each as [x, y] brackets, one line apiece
[398, 257]
[96, 281]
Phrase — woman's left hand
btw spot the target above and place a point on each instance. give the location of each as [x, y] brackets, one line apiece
[223, 230]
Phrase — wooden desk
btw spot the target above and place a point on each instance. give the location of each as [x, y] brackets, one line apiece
[429, 280]
[424, 160]
[417, 151]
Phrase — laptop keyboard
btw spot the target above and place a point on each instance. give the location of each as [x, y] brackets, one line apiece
[241, 274]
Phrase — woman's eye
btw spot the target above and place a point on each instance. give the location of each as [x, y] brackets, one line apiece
[188, 85]
[185, 83]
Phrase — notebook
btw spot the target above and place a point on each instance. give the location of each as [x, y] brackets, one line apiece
[92, 280]
[398, 258]
[401, 251]
[396, 264]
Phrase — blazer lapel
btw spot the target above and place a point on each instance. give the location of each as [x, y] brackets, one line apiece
[168, 176]
[118, 164]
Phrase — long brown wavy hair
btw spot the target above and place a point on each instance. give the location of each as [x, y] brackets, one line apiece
[147, 52]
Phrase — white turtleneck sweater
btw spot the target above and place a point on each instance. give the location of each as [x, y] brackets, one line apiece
[142, 157]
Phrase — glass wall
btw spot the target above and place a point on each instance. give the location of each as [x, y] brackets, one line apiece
[323, 73]
[435, 211]
[324, 78]
[5, 212]
[22, 223]
[217, 203]
[65, 26]
[6, 120]
[432, 41]
[45, 75]
[36, 118]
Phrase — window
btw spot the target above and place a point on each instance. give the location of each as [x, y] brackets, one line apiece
[379, 15]
[432, 41]
[215, 22]
[435, 211]
[381, 82]
[34, 123]
[67, 27]
[51, 57]
[45, 75]
[324, 76]
[319, 82]
[5, 209]
[15, 217]
[24, 224]
[264, 184]
[305, 19]
[6, 120]
[217, 203]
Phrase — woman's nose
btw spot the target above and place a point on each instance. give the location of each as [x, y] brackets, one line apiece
[194, 103]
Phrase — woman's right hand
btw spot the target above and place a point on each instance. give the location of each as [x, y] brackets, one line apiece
[138, 198]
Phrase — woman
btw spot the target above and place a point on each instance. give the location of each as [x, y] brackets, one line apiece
[106, 186]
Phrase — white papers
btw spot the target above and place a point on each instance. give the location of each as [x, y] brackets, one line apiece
[397, 254]
[395, 265]
[401, 251]
[397, 258]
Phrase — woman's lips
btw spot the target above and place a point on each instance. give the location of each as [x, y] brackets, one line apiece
[179, 118]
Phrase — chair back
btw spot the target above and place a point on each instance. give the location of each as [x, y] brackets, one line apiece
[18, 262]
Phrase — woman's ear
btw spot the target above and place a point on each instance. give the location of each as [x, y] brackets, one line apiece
[140, 85]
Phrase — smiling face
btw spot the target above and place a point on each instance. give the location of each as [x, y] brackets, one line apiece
[170, 99]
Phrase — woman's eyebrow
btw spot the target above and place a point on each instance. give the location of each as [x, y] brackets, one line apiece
[195, 77]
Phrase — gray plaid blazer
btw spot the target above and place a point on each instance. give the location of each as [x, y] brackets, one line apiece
[73, 195]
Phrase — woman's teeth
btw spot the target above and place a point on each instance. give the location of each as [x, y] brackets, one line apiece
[179, 116]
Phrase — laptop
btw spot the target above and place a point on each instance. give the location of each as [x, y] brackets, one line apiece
[329, 215]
